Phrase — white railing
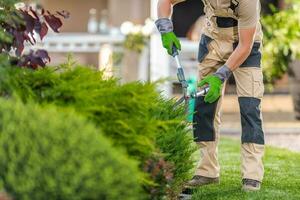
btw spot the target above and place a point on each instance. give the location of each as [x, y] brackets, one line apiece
[78, 42]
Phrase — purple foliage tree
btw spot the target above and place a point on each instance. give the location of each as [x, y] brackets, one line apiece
[22, 26]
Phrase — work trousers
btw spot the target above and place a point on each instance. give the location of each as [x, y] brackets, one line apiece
[213, 53]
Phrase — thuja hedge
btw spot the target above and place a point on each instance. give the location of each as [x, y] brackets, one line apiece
[134, 116]
[48, 154]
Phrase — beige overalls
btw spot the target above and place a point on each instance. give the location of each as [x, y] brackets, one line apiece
[224, 18]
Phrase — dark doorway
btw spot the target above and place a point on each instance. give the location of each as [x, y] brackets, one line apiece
[185, 15]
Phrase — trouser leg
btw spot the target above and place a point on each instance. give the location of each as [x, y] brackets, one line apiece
[252, 165]
[207, 137]
[250, 91]
[206, 120]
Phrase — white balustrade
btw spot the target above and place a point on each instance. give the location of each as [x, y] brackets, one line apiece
[78, 42]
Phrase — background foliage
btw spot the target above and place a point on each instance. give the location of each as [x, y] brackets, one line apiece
[5, 7]
[281, 40]
[136, 42]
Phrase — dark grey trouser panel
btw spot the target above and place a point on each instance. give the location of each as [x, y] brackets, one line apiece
[203, 47]
[254, 59]
[251, 121]
[203, 120]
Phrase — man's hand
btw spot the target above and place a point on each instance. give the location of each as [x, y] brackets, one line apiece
[215, 87]
[169, 40]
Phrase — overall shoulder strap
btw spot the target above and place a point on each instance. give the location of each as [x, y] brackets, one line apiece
[208, 9]
[225, 12]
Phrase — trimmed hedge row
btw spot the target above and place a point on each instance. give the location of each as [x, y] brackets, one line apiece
[49, 154]
[134, 116]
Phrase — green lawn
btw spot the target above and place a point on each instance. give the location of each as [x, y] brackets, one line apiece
[282, 175]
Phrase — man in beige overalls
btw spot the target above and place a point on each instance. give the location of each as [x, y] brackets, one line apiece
[230, 44]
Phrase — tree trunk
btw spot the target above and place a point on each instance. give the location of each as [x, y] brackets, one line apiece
[294, 82]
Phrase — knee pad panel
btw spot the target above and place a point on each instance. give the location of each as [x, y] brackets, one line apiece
[252, 131]
[203, 120]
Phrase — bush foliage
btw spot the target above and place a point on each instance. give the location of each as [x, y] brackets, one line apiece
[123, 112]
[47, 154]
[281, 41]
[176, 142]
[133, 116]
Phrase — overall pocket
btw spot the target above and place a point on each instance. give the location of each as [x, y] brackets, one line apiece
[258, 83]
[203, 47]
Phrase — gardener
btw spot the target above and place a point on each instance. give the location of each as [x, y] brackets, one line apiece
[230, 44]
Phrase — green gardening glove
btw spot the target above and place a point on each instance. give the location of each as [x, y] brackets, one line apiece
[215, 88]
[169, 40]
[215, 82]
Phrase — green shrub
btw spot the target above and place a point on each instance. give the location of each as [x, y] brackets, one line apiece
[122, 112]
[8, 6]
[281, 41]
[46, 154]
[175, 140]
[133, 115]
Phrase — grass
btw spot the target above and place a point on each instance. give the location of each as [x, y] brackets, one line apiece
[281, 181]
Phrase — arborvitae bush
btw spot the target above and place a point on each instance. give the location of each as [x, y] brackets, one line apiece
[134, 116]
[122, 112]
[47, 154]
[175, 141]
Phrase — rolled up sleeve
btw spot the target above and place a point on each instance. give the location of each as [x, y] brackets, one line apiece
[177, 1]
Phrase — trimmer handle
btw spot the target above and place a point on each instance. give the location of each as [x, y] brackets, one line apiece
[174, 51]
[202, 92]
[181, 76]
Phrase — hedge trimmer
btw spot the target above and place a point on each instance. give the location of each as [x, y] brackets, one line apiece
[184, 84]
[188, 94]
